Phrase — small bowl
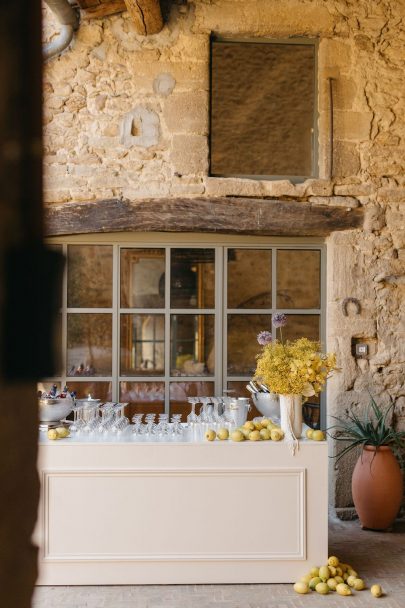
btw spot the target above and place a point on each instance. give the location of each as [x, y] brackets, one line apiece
[267, 404]
[54, 410]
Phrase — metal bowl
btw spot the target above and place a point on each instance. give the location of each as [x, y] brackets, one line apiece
[53, 410]
[267, 404]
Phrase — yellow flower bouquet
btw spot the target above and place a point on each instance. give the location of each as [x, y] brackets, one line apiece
[292, 368]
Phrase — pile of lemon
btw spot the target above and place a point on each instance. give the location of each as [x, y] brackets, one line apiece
[335, 576]
[61, 432]
[252, 430]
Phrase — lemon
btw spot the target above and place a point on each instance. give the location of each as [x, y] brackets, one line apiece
[306, 578]
[322, 588]
[245, 432]
[265, 434]
[314, 581]
[332, 570]
[345, 576]
[271, 426]
[339, 571]
[319, 436]
[309, 433]
[343, 567]
[249, 425]
[358, 584]
[223, 434]
[352, 572]
[343, 589]
[276, 434]
[52, 434]
[210, 435]
[339, 579]
[314, 571]
[254, 435]
[333, 560]
[301, 587]
[62, 432]
[265, 421]
[237, 436]
[376, 590]
[350, 580]
[332, 584]
[324, 573]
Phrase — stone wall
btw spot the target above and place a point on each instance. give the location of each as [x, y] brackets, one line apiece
[127, 116]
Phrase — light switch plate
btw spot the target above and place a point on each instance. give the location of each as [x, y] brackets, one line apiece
[361, 350]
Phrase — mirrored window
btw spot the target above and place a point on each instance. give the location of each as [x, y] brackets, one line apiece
[192, 278]
[89, 344]
[242, 342]
[192, 345]
[249, 278]
[142, 278]
[89, 280]
[142, 344]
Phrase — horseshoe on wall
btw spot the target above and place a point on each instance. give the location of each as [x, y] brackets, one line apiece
[348, 301]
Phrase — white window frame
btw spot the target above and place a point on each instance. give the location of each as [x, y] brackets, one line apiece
[221, 244]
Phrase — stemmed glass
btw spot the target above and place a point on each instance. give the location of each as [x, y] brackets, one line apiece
[177, 429]
[150, 424]
[120, 421]
[163, 425]
[137, 420]
[78, 422]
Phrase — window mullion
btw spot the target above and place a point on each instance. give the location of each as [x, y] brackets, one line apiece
[116, 324]
[167, 330]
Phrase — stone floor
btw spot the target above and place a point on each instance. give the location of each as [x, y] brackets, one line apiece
[378, 557]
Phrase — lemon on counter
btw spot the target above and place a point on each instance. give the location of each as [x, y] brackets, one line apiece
[376, 590]
[314, 581]
[318, 436]
[223, 434]
[324, 573]
[210, 435]
[332, 584]
[52, 434]
[309, 433]
[322, 588]
[301, 587]
[333, 560]
[314, 571]
[254, 435]
[276, 434]
[358, 584]
[343, 589]
[237, 436]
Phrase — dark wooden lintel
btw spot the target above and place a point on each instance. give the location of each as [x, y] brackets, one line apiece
[216, 215]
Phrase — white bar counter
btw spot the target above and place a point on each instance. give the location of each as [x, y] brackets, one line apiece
[131, 512]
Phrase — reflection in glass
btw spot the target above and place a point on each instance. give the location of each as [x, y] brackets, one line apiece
[192, 345]
[301, 326]
[89, 276]
[97, 390]
[143, 397]
[142, 344]
[142, 278]
[249, 278]
[298, 278]
[46, 386]
[242, 342]
[89, 344]
[180, 391]
[192, 278]
[262, 108]
[57, 346]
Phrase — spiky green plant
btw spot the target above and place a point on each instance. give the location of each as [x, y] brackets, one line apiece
[372, 429]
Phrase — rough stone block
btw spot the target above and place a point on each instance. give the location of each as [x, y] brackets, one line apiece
[335, 201]
[354, 126]
[187, 112]
[346, 159]
[164, 84]
[334, 53]
[140, 127]
[189, 154]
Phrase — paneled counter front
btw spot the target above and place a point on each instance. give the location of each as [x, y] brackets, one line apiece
[174, 513]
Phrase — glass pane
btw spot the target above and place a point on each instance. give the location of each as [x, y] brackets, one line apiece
[298, 278]
[192, 278]
[143, 397]
[89, 276]
[97, 390]
[192, 345]
[142, 278]
[57, 346]
[312, 412]
[242, 342]
[179, 391]
[142, 345]
[301, 326]
[249, 278]
[89, 339]
[240, 390]
[262, 108]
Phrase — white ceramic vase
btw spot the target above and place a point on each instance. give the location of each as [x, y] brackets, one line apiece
[291, 415]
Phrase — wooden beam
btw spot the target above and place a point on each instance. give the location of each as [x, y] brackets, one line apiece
[97, 9]
[218, 215]
[146, 15]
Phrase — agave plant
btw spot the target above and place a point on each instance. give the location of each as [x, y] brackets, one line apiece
[373, 429]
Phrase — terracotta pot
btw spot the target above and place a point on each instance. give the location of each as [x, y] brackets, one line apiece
[377, 487]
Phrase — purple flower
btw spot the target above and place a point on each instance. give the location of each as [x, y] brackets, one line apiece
[279, 319]
[264, 337]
